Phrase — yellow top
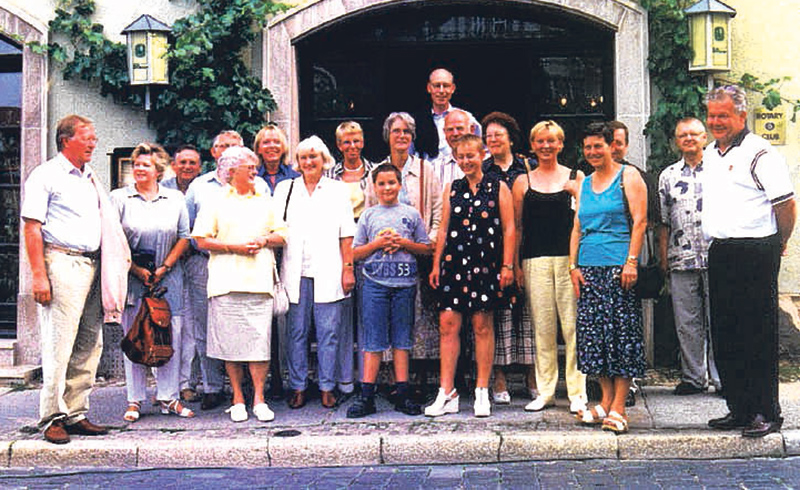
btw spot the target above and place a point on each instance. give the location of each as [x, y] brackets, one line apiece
[236, 218]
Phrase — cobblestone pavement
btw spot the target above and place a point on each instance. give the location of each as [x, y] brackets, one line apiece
[677, 474]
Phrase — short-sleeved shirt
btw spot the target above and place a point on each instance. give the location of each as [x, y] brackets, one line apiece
[741, 186]
[65, 201]
[237, 218]
[154, 226]
[206, 188]
[398, 269]
[446, 169]
[680, 190]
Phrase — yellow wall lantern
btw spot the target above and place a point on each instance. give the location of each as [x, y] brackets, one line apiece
[147, 49]
[709, 34]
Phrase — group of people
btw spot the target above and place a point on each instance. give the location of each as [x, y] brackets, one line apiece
[395, 257]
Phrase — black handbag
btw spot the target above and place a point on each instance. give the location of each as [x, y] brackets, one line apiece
[650, 277]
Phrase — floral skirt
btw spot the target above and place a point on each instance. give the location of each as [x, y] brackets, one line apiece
[609, 327]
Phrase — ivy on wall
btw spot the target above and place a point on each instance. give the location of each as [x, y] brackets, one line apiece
[679, 92]
[210, 88]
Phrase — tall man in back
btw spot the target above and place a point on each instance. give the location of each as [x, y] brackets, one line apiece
[62, 236]
[749, 214]
[683, 253]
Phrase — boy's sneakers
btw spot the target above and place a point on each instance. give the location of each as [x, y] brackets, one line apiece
[408, 407]
[361, 408]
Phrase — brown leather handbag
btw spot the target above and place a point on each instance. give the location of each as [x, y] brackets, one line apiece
[149, 340]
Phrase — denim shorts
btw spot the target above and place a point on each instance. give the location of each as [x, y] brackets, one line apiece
[387, 316]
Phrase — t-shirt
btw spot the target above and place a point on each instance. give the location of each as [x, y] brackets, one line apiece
[398, 269]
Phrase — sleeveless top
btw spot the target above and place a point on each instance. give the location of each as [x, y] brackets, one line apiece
[547, 220]
[605, 232]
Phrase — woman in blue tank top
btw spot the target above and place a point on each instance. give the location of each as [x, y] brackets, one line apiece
[604, 249]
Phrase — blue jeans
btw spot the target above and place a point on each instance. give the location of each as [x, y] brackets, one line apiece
[388, 317]
[327, 318]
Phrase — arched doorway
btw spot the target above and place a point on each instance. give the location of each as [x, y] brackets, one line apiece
[526, 60]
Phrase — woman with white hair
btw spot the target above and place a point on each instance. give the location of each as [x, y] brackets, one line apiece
[317, 268]
[240, 231]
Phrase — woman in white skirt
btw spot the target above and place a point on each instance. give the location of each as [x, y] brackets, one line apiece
[240, 231]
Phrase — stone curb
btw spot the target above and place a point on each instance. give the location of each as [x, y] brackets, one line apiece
[469, 447]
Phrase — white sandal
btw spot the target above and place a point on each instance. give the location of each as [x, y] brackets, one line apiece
[133, 412]
[586, 417]
[175, 407]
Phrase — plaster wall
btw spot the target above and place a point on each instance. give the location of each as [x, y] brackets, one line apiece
[763, 37]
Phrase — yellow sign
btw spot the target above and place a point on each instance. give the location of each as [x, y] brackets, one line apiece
[770, 125]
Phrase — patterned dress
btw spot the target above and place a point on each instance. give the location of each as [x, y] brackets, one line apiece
[473, 253]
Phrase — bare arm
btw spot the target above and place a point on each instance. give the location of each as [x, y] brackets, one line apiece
[518, 197]
[785, 215]
[636, 193]
[348, 276]
[575, 274]
[34, 244]
[441, 238]
[509, 236]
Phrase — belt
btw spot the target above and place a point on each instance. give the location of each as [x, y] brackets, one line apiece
[71, 251]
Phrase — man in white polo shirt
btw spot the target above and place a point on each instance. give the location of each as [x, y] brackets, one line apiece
[749, 214]
[62, 236]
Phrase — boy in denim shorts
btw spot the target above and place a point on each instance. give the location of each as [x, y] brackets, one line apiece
[387, 238]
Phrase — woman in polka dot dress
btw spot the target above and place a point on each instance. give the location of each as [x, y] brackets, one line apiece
[472, 266]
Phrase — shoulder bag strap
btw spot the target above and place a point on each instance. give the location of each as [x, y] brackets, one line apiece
[288, 196]
[527, 171]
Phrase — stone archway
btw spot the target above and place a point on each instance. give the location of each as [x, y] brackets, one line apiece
[627, 20]
[33, 120]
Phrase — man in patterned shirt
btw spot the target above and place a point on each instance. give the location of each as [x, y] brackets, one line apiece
[683, 251]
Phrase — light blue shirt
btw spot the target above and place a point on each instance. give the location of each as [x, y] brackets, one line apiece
[398, 269]
[154, 226]
[65, 201]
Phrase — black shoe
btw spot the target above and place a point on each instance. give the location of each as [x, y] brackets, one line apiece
[686, 388]
[630, 399]
[406, 406]
[361, 408]
[728, 422]
[212, 400]
[760, 426]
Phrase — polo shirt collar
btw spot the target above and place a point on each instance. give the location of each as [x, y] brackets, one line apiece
[737, 141]
[132, 192]
[68, 167]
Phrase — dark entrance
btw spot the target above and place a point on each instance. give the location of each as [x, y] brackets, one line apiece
[530, 62]
[10, 150]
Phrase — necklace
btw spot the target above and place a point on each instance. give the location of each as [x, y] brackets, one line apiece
[357, 169]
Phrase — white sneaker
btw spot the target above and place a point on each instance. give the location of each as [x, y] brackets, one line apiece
[577, 406]
[443, 404]
[540, 403]
[502, 397]
[263, 413]
[482, 406]
[238, 412]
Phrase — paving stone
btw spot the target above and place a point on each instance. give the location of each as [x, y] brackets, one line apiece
[79, 452]
[465, 447]
[557, 445]
[194, 452]
[697, 445]
[325, 451]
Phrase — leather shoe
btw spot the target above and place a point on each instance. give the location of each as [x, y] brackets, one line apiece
[212, 400]
[56, 433]
[86, 428]
[328, 399]
[685, 388]
[760, 426]
[297, 400]
[728, 422]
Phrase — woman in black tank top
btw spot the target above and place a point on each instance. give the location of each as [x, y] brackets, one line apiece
[544, 212]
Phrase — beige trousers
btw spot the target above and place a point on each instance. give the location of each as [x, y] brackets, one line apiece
[551, 298]
[71, 331]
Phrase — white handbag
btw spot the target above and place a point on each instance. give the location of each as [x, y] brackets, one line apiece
[280, 299]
